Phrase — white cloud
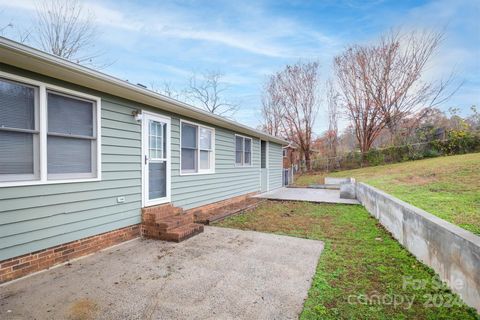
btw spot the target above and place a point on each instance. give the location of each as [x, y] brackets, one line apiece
[245, 42]
[262, 35]
[18, 4]
[113, 18]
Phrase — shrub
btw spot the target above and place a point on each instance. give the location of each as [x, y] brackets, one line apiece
[459, 142]
[375, 157]
[431, 153]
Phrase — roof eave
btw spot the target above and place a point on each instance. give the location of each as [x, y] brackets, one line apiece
[24, 57]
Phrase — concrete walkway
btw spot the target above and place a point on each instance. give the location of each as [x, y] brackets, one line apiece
[220, 274]
[307, 194]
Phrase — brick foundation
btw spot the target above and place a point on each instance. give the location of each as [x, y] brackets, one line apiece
[20, 266]
[205, 213]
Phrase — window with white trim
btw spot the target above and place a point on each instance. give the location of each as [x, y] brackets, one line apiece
[19, 131]
[197, 148]
[71, 137]
[243, 151]
[66, 144]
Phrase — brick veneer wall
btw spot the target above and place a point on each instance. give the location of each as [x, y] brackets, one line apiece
[20, 266]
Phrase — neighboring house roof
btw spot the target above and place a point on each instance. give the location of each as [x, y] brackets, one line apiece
[28, 58]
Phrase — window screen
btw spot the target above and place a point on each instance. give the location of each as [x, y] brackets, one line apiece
[243, 151]
[18, 131]
[189, 160]
[248, 151]
[205, 139]
[71, 139]
[66, 155]
[17, 105]
[70, 116]
[189, 147]
[204, 160]
[189, 136]
[239, 150]
[205, 148]
[197, 148]
[16, 153]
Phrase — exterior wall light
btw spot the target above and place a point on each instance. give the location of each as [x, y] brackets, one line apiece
[137, 114]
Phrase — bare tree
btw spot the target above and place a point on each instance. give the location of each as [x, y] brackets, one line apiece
[272, 112]
[66, 30]
[24, 35]
[18, 34]
[167, 89]
[396, 68]
[365, 117]
[4, 28]
[294, 94]
[380, 85]
[474, 118]
[332, 110]
[207, 91]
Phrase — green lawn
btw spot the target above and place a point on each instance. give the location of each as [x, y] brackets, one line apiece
[448, 187]
[361, 264]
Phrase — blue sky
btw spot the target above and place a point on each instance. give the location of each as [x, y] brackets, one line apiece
[248, 40]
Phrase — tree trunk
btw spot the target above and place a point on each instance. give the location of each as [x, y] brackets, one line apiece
[308, 162]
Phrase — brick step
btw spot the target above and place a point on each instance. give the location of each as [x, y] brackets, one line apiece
[152, 214]
[182, 233]
[169, 223]
[166, 222]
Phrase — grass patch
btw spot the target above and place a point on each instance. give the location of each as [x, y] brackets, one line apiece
[448, 187]
[360, 260]
[307, 179]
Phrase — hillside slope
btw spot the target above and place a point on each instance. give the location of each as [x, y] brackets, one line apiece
[448, 187]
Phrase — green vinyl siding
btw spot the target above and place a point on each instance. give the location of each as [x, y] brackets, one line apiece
[275, 166]
[36, 217]
[189, 191]
[40, 216]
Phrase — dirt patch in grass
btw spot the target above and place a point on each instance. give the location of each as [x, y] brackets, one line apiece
[361, 262]
[417, 180]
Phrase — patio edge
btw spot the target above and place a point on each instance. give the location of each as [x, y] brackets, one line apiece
[20, 266]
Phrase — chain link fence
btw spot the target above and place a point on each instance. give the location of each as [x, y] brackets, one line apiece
[395, 154]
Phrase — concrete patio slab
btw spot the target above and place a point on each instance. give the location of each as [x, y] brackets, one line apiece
[307, 194]
[220, 274]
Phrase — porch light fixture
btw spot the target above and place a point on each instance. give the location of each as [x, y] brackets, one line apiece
[137, 114]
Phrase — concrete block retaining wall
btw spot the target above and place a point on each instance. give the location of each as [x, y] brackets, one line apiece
[453, 252]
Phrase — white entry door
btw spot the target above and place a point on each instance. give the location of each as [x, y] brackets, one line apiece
[156, 159]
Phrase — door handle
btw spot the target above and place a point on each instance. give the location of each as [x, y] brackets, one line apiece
[146, 159]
